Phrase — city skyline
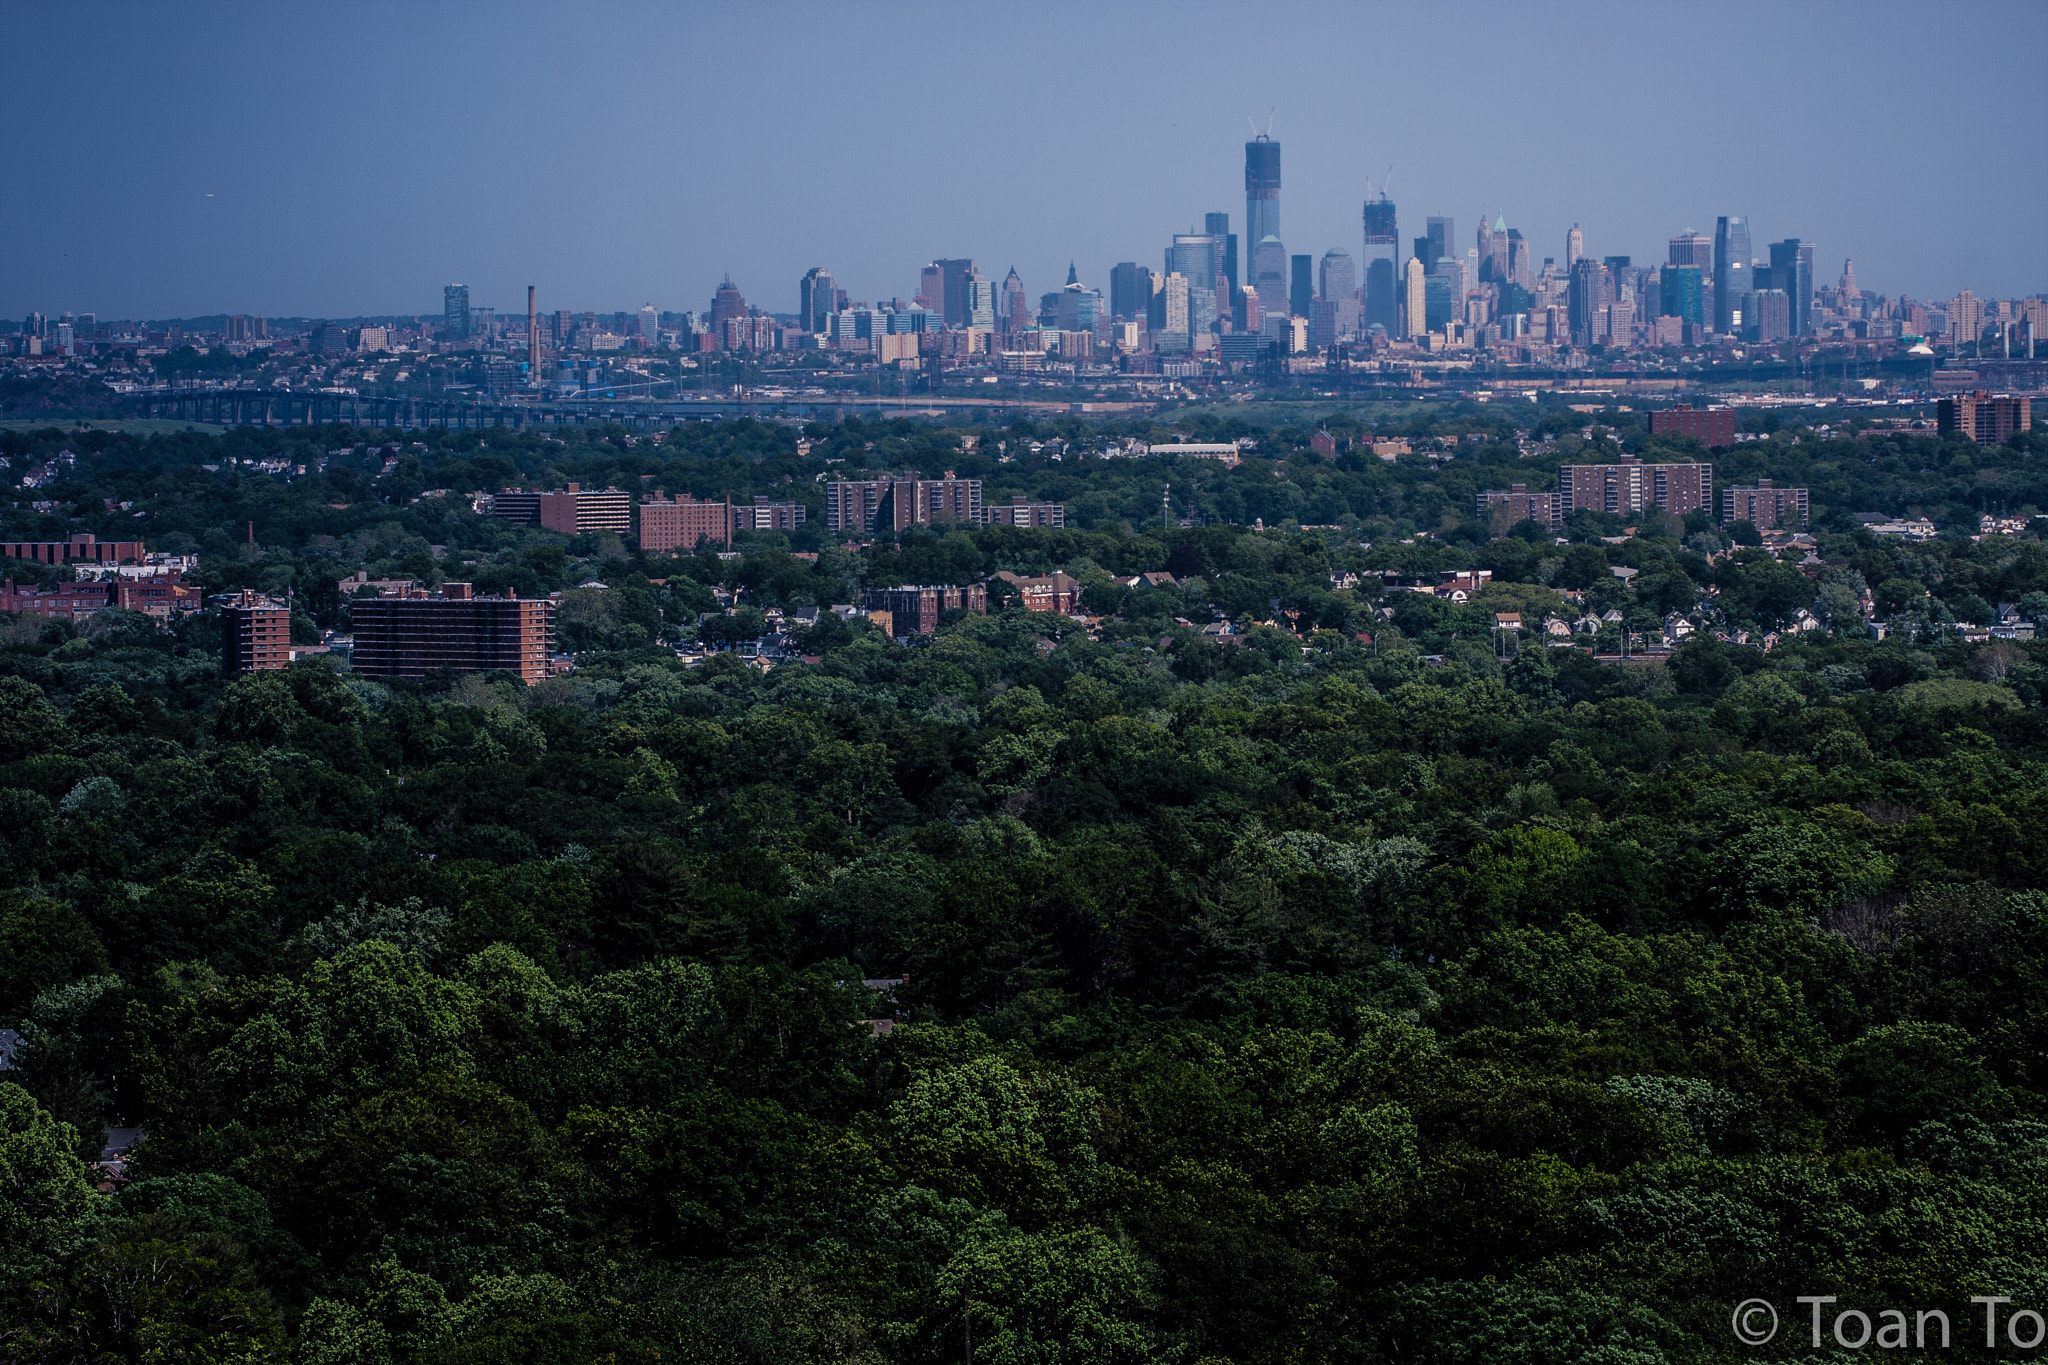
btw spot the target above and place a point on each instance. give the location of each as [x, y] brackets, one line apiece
[151, 205]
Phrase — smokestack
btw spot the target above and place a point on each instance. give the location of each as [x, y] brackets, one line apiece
[532, 340]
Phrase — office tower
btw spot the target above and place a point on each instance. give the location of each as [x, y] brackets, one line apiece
[1269, 275]
[1080, 306]
[1519, 270]
[1415, 299]
[1683, 290]
[1130, 291]
[1016, 304]
[1732, 283]
[1301, 286]
[726, 302]
[1574, 246]
[1248, 318]
[1851, 295]
[1441, 292]
[532, 339]
[817, 298]
[1692, 248]
[1587, 296]
[1217, 225]
[1484, 248]
[410, 637]
[1261, 190]
[1382, 256]
[1193, 258]
[650, 324]
[1792, 272]
[946, 291]
[1337, 275]
[1441, 234]
[455, 310]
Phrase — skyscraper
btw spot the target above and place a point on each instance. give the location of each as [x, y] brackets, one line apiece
[650, 327]
[455, 310]
[1337, 275]
[978, 300]
[1269, 275]
[726, 302]
[1683, 290]
[1731, 272]
[1261, 190]
[1442, 236]
[1792, 271]
[944, 289]
[1588, 295]
[817, 296]
[1016, 304]
[1414, 299]
[1382, 255]
[1193, 257]
[1130, 291]
[1574, 246]
[1301, 286]
[1217, 225]
[1175, 294]
[1692, 248]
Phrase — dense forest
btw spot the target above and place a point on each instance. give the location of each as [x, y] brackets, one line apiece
[1358, 988]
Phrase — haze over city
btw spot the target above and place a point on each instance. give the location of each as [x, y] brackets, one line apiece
[349, 160]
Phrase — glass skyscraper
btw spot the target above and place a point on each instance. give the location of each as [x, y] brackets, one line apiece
[455, 309]
[1382, 259]
[1792, 271]
[1731, 272]
[1193, 257]
[1217, 225]
[1261, 190]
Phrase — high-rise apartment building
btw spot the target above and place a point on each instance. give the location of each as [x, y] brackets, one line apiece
[1764, 506]
[574, 510]
[1516, 504]
[1382, 259]
[455, 310]
[888, 504]
[1261, 191]
[255, 634]
[683, 524]
[1732, 283]
[1770, 315]
[412, 636]
[1983, 418]
[1631, 486]
[1021, 511]
[1965, 319]
[1415, 299]
[763, 515]
[1715, 427]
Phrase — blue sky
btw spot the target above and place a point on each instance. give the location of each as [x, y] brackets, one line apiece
[172, 159]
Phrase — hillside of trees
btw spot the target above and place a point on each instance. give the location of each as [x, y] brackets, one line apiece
[1355, 989]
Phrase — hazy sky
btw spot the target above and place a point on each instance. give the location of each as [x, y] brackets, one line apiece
[167, 159]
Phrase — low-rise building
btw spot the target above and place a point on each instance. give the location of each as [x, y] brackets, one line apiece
[916, 610]
[1056, 592]
[56, 601]
[1023, 512]
[80, 547]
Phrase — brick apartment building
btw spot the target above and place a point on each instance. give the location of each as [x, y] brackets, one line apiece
[1630, 486]
[413, 635]
[916, 610]
[1517, 504]
[574, 510]
[1023, 512]
[1764, 506]
[763, 515]
[1984, 419]
[681, 524]
[895, 504]
[1055, 592]
[79, 547]
[255, 633]
[1715, 427]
